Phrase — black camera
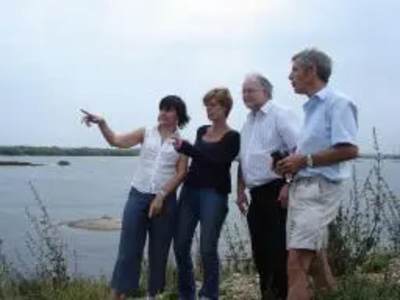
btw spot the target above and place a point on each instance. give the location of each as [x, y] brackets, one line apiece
[278, 155]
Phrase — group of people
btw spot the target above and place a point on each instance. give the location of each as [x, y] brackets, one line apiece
[295, 176]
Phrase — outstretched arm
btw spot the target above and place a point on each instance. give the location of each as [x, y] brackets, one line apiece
[229, 151]
[123, 141]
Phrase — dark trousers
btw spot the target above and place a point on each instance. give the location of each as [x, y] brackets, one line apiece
[267, 224]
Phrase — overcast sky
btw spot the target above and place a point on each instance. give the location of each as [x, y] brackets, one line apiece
[118, 58]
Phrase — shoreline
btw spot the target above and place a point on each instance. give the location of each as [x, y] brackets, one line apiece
[19, 164]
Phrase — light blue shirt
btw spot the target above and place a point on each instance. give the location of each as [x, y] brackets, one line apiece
[330, 119]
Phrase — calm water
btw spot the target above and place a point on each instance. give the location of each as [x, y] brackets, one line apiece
[89, 188]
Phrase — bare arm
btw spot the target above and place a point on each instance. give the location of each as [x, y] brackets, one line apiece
[123, 141]
[241, 201]
[181, 171]
[241, 186]
[335, 154]
[170, 186]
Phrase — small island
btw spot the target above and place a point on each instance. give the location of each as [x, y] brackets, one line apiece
[63, 163]
[105, 223]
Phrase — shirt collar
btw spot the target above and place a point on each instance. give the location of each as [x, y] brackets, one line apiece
[321, 95]
[266, 107]
[263, 110]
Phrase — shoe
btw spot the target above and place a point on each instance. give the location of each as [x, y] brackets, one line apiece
[158, 297]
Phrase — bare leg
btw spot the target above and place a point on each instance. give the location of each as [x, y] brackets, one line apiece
[299, 262]
[325, 276]
[115, 296]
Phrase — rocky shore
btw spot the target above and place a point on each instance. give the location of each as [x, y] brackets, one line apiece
[105, 223]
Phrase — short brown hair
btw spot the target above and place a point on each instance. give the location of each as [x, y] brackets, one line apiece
[222, 96]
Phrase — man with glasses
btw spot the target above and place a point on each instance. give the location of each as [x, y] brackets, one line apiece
[269, 128]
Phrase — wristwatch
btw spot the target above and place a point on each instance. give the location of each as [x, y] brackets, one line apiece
[288, 180]
[309, 161]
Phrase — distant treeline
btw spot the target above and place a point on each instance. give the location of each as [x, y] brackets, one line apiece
[57, 151]
[84, 151]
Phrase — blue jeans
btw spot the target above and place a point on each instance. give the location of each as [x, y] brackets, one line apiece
[210, 208]
[135, 227]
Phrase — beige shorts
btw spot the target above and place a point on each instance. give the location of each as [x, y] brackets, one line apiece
[313, 204]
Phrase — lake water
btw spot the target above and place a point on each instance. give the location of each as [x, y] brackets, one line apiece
[89, 188]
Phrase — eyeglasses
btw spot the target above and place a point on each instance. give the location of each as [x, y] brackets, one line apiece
[251, 91]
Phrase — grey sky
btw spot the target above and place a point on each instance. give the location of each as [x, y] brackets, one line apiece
[118, 58]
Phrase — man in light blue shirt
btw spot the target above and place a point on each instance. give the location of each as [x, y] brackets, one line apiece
[326, 143]
[330, 119]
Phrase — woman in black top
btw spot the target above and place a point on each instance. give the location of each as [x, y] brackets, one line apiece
[204, 196]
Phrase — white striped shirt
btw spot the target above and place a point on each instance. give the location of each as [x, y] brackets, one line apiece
[271, 128]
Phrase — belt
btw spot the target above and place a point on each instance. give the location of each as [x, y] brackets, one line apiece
[266, 185]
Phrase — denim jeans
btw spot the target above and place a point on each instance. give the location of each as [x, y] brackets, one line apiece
[135, 227]
[210, 208]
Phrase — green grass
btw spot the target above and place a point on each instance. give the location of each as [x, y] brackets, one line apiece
[77, 289]
[353, 288]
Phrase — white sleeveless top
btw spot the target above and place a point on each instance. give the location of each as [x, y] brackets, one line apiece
[157, 163]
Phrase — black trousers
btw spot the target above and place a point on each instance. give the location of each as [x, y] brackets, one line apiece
[267, 224]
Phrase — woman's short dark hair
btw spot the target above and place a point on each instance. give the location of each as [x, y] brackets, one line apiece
[176, 103]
